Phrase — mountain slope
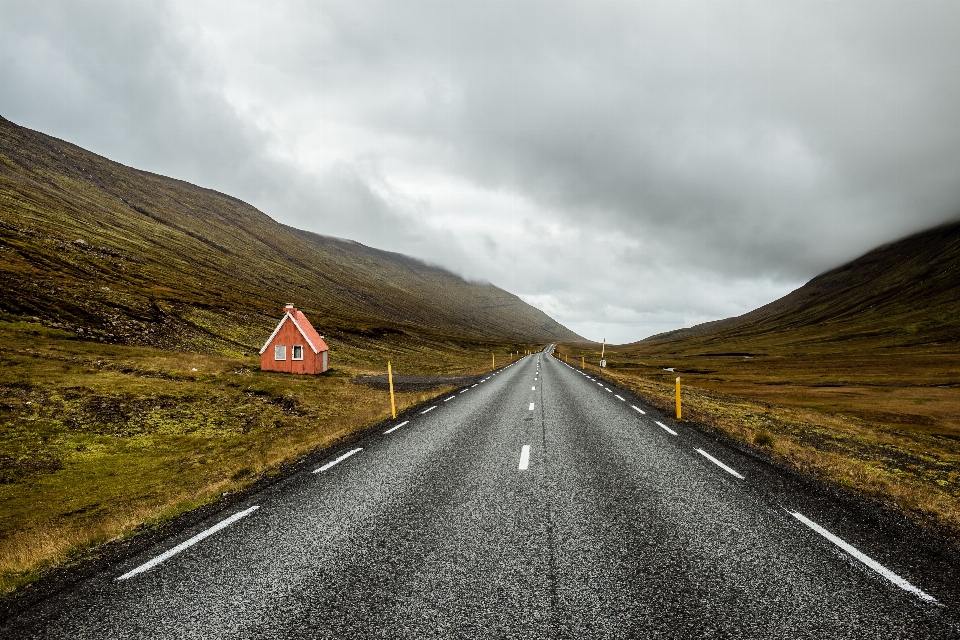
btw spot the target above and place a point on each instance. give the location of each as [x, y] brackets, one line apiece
[904, 293]
[128, 256]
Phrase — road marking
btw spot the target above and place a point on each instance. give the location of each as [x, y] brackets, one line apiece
[473, 386]
[531, 406]
[862, 557]
[600, 383]
[146, 566]
[608, 389]
[619, 398]
[450, 398]
[465, 390]
[718, 463]
[666, 428]
[533, 388]
[428, 410]
[636, 408]
[524, 458]
[338, 460]
[392, 429]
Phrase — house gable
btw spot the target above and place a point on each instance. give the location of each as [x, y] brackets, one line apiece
[306, 330]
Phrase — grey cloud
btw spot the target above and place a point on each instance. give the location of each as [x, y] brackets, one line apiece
[656, 162]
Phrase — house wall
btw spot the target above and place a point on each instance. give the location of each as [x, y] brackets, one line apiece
[289, 336]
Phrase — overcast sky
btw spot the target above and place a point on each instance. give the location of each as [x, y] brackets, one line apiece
[628, 167]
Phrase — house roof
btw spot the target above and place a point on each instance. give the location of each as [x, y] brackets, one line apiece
[303, 326]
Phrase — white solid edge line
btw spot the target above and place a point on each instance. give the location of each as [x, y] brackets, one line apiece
[718, 463]
[428, 410]
[450, 398]
[338, 460]
[531, 406]
[865, 559]
[524, 458]
[392, 429]
[666, 428]
[146, 566]
[619, 398]
[636, 408]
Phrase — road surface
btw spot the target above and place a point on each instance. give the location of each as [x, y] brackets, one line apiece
[541, 502]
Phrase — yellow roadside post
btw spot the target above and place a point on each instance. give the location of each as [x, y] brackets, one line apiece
[678, 398]
[493, 357]
[603, 350]
[583, 363]
[393, 406]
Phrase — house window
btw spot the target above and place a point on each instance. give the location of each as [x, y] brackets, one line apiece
[298, 352]
[280, 352]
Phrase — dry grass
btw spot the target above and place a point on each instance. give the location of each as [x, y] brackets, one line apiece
[915, 471]
[98, 440]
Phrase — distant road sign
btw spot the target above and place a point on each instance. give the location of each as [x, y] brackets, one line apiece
[603, 363]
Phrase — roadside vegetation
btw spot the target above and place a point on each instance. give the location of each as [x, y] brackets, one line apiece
[99, 441]
[881, 423]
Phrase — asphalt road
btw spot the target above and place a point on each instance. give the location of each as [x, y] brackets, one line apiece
[536, 503]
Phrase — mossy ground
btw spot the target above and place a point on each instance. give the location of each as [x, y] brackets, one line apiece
[97, 440]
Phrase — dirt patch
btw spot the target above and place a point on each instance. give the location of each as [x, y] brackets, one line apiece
[415, 383]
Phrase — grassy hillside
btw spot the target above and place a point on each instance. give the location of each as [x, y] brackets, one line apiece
[126, 256]
[903, 294]
[855, 376]
[133, 307]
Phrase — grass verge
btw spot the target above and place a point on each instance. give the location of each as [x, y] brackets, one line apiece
[99, 441]
[916, 472]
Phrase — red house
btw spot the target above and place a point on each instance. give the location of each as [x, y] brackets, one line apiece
[294, 346]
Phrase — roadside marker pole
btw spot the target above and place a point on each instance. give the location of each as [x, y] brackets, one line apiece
[583, 363]
[393, 406]
[493, 357]
[678, 398]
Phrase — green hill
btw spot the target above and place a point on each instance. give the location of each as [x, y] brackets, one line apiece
[121, 255]
[902, 294]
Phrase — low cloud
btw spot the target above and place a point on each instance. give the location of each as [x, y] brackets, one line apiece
[627, 167]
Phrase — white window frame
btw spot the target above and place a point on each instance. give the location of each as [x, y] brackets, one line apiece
[280, 352]
[293, 352]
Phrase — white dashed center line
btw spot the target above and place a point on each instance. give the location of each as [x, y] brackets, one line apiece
[619, 398]
[862, 557]
[524, 458]
[719, 464]
[666, 428]
[338, 460]
[450, 398]
[392, 429]
[531, 406]
[428, 410]
[188, 543]
[533, 388]
[608, 389]
[472, 386]
[636, 408]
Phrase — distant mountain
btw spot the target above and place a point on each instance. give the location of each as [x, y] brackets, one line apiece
[123, 255]
[903, 293]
